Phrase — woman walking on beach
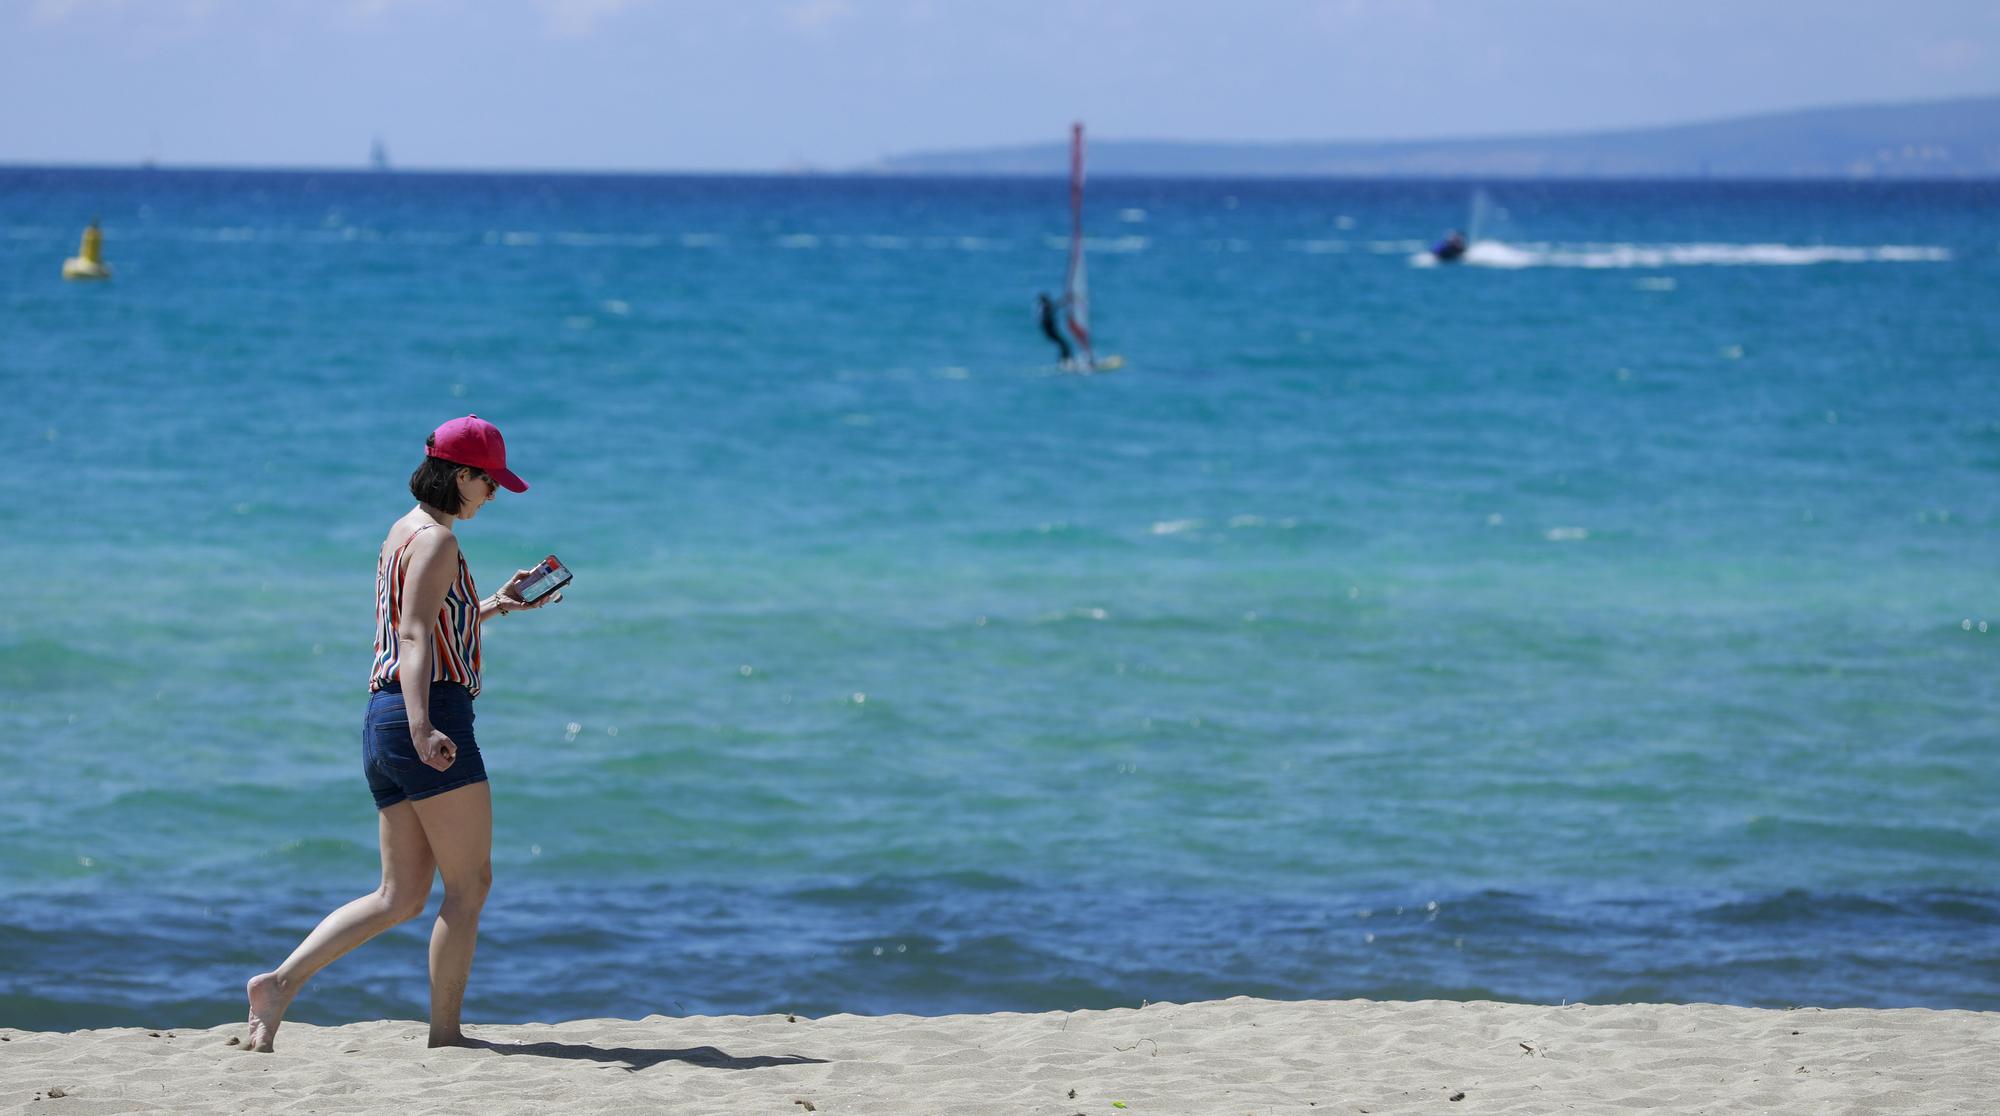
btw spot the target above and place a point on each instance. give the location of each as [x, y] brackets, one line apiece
[418, 752]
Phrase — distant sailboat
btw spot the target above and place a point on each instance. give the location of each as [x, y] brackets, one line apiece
[378, 156]
[1076, 286]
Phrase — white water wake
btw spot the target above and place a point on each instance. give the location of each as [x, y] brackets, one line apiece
[1500, 254]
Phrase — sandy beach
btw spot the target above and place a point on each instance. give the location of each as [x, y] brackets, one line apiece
[1229, 1056]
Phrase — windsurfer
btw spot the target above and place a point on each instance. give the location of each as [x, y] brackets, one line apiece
[1046, 309]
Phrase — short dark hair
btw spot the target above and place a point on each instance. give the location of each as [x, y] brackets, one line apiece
[436, 481]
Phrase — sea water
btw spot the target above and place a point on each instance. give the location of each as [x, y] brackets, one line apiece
[1611, 616]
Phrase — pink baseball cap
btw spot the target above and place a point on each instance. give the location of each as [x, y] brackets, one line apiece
[474, 441]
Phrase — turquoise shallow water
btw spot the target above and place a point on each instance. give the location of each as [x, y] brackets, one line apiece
[1606, 619]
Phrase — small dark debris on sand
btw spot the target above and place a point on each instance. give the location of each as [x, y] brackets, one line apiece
[1458, 1096]
[805, 1104]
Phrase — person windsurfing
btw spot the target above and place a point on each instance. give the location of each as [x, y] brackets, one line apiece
[1450, 248]
[1045, 308]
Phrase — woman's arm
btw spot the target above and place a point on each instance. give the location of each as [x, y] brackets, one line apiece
[433, 558]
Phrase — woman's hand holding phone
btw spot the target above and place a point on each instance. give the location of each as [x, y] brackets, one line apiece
[511, 596]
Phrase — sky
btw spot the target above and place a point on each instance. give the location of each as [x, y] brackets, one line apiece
[764, 85]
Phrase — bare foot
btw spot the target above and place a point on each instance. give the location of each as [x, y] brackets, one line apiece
[269, 997]
[455, 1038]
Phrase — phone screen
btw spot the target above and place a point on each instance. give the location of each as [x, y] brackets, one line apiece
[550, 576]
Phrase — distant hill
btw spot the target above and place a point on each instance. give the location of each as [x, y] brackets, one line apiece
[1932, 139]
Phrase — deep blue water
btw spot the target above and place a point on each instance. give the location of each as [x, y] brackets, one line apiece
[1606, 618]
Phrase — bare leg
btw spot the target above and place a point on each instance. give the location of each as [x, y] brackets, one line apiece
[407, 867]
[459, 826]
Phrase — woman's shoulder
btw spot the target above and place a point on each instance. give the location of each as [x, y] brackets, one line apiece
[421, 535]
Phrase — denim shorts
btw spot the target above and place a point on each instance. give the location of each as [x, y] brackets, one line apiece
[390, 760]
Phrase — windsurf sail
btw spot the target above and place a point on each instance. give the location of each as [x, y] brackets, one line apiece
[1076, 287]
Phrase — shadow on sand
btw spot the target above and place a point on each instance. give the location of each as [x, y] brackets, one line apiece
[635, 1059]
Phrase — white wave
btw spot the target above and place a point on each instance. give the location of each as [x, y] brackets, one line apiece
[1175, 526]
[700, 240]
[970, 243]
[798, 240]
[425, 238]
[1500, 254]
[1132, 216]
[607, 240]
[1102, 244]
[1073, 614]
[231, 235]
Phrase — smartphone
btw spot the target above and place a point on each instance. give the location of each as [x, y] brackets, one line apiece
[548, 577]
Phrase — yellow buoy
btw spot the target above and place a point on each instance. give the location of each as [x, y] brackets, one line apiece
[88, 263]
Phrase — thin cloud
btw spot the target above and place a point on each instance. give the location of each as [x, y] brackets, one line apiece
[1952, 55]
[576, 19]
[815, 15]
[367, 10]
[56, 11]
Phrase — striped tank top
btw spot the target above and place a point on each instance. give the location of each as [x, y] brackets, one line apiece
[454, 638]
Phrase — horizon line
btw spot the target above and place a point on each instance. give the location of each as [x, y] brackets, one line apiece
[886, 175]
[878, 166]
